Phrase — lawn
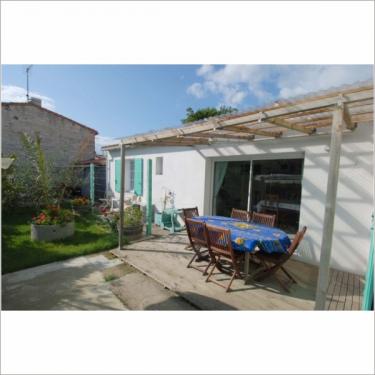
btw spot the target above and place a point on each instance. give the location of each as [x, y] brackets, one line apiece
[19, 252]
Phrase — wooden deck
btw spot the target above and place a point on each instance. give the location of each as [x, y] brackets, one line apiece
[345, 291]
[164, 258]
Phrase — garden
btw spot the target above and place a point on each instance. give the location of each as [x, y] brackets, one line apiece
[19, 251]
[44, 221]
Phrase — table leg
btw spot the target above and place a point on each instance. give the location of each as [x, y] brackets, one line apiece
[247, 265]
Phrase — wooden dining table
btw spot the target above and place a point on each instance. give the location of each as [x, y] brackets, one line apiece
[250, 237]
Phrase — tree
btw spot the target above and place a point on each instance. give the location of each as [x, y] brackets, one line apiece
[206, 112]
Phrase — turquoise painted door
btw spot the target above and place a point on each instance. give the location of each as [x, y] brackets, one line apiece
[117, 175]
[138, 176]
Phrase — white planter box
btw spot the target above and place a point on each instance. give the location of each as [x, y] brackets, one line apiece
[51, 232]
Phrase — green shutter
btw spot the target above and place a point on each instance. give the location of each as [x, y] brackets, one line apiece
[138, 176]
[117, 175]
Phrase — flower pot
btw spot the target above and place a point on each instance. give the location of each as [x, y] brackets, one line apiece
[51, 232]
[132, 232]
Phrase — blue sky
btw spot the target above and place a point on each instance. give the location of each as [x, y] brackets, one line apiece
[120, 100]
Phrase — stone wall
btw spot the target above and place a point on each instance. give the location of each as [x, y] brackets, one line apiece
[63, 140]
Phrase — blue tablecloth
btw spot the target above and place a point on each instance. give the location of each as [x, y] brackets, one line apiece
[246, 236]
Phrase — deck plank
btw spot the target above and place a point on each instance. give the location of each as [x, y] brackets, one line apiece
[331, 287]
[336, 291]
[342, 292]
[349, 294]
[357, 294]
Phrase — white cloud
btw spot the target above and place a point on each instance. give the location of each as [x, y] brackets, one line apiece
[262, 83]
[204, 69]
[197, 90]
[292, 82]
[101, 141]
[17, 94]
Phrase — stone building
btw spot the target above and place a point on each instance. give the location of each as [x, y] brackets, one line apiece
[63, 140]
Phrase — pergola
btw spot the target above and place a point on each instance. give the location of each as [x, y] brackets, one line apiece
[332, 113]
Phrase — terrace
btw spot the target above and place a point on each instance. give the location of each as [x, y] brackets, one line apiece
[164, 259]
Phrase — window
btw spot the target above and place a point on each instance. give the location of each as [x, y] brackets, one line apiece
[159, 165]
[133, 176]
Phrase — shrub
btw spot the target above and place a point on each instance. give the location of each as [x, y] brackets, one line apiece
[35, 176]
[35, 180]
[10, 187]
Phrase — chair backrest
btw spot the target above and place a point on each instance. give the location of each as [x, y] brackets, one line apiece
[196, 231]
[264, 219]
[296, 241]
[190, 212]
[240, 214]
[219, 241]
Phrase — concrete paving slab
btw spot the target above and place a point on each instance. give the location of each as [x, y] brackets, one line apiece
[117, 271]
[74, 284]
[140, 292]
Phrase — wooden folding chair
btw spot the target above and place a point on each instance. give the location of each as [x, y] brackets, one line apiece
[270, 263]
[221, 251]
[196, 231]
[190, 212]
[263, 219]
[240, 214]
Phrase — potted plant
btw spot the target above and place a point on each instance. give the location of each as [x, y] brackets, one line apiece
[133, 221]
[81, 204]
[52, 223]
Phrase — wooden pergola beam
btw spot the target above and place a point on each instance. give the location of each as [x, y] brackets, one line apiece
[174, 142]
[284, 124]
[219, 134]
[347, 119]
[245, 130]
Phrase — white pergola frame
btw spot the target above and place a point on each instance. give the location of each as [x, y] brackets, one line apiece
[332, 113]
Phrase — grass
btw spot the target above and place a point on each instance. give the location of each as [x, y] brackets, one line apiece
[110, 277]
[19, 252]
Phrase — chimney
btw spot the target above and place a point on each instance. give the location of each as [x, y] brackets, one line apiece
[36, 101]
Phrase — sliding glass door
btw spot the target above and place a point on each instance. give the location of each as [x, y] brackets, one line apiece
[231, 186]
[269, 186]
[276, 189]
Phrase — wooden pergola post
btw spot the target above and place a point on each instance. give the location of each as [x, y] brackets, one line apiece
[330, 207]
[122, 198]
[149, 198]
[92, 184]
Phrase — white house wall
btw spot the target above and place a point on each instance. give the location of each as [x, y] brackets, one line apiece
[188, 172]
[183, 174]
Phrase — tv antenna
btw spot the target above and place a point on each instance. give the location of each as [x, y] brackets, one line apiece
[27, 81]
